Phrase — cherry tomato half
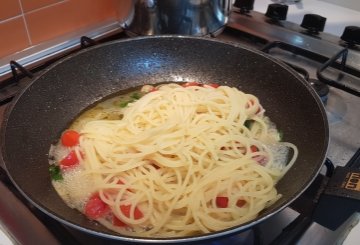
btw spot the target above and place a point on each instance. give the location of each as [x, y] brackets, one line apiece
[69, 161]
[253, 148]
[95, 207]
[222, 202]
[240, 203]
[125, 209]
[214, 85]
[189, 84]
[70, 138]
[118, 222]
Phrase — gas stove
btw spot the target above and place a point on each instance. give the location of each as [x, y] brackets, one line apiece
[329, 62]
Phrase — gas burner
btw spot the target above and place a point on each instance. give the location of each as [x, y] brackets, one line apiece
[321, 89]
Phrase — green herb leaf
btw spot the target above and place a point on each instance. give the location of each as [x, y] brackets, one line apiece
[55, 172]
[136, 96]
[124, 104]
[281, 135]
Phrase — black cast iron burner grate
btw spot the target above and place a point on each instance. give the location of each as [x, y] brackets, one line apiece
[340, 82]
[347, 80]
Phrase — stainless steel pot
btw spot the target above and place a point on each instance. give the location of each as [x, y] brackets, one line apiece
[186, 17]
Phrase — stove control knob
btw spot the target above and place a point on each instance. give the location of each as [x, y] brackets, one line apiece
[351, 35]
[244, 5]
[313, 23]
[277, 11]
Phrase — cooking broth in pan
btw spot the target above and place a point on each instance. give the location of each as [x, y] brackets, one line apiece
[171, 160]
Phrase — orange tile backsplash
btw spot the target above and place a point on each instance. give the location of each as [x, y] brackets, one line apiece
[25, 23]
[65, 17]
[9, 8]
[10, 30]
[28, 5]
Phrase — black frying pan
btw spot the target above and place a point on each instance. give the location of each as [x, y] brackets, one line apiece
[44, 109]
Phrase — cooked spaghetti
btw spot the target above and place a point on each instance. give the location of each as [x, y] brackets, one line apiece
[172, 160]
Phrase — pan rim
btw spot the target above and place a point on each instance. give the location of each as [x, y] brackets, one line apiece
[202, 237]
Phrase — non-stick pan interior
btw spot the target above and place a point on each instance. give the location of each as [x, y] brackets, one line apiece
[38, 116]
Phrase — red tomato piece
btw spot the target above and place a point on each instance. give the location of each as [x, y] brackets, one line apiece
[240, 203]
[70, 138]
[125, 209]
[189, 84]
[211, 85]
[222, 202]
[113, 191]
[253, 148]
[214, 85]
[70, 160]
[95, 207]
[153, 90]
[120, 182]
[118, 222]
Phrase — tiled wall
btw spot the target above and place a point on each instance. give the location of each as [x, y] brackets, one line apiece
[25, 23]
